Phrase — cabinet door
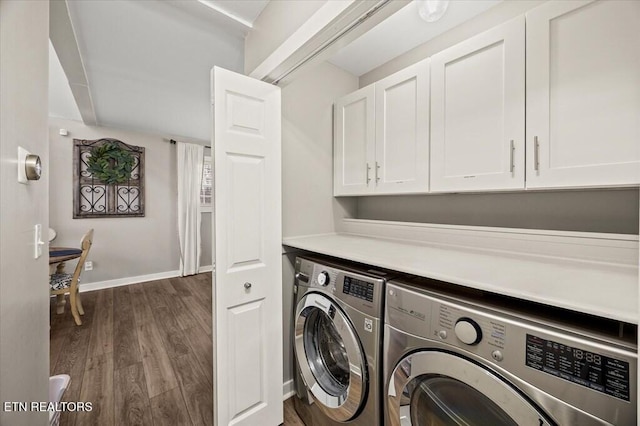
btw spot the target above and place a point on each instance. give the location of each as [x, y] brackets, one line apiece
[583, 94]
[354, 143]
[402, 131]
[477, 112]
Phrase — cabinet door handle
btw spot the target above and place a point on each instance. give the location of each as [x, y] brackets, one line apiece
[368, 178]
[536, 154]
[511, 151]
[377, 172]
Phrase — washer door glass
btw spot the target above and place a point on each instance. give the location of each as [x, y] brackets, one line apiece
[439, 388]
[326, 353]
[444, 401]
[330, 359]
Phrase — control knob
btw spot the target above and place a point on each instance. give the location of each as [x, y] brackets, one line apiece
[323, 278]
[468, 331]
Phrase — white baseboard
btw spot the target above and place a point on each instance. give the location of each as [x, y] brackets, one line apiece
[118, 282]
[288, 390]
[203, 269]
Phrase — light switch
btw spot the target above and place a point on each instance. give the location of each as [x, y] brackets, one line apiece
[37, 240]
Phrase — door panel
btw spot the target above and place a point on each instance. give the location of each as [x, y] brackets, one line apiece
[583, 94]
[248, 371]
[247, 284]
[24, 294]
[477, 89]
[402, 131]
[354, 143]
[246, 215]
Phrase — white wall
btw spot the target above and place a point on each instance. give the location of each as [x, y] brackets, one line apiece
[24, 301]
[123, 247]
[276, 23]
[308, 205]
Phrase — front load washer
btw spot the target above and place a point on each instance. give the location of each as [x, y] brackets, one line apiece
[491, 360]
[337, 341]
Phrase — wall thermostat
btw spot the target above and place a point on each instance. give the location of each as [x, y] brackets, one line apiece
[29, 166]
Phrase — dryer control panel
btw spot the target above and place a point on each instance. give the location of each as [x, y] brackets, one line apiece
[446, 322]
[592, 370]
[468, 328]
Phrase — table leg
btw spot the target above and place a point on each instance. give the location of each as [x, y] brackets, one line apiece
[60, 302]
[60, 268]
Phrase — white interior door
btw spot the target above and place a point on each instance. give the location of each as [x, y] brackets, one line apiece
[583, 94]
[477, 112]
[402, 131]
[247, 282]
[24, 292]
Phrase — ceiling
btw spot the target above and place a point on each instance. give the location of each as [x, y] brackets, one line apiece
[147, 63]
[401, 32]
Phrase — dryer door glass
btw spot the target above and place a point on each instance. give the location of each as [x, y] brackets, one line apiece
[330, 359]
[440, 401]
[436, 388]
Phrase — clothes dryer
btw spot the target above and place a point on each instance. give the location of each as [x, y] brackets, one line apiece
[487, 360]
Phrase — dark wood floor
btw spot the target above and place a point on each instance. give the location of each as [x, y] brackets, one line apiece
[143, 355]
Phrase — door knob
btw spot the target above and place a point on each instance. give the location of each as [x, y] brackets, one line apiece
[247, 286]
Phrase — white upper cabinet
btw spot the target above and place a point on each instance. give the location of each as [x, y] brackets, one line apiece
[382, 136]
[477, 112]
[402, 131]
[583, 94]
[354, 153]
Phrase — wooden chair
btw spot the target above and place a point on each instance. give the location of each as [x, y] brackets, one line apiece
[62, 283]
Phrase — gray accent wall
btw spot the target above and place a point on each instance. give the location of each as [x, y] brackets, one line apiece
[123, 247]
[610, 211]
[24, 290]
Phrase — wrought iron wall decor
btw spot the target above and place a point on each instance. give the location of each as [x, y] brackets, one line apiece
[94, 197]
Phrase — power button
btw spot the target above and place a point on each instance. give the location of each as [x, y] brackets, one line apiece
[497, 355]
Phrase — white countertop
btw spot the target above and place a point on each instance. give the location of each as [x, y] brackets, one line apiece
[606, 289]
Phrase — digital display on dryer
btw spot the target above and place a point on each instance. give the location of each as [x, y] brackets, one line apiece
[598, 372]
[358, 288]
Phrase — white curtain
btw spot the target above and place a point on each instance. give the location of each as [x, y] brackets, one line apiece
[190, 164]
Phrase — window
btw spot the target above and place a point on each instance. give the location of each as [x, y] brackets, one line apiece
[206, 190]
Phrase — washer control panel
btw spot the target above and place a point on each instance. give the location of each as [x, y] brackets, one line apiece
[324, 276]
[360, 290]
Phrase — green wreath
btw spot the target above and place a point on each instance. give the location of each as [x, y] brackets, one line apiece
[110, 163]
